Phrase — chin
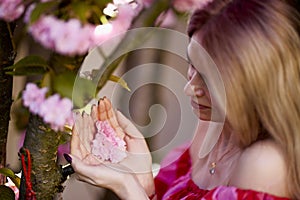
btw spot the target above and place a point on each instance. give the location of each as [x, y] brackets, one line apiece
[202, 115]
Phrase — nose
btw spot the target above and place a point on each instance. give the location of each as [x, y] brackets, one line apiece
[191, 89]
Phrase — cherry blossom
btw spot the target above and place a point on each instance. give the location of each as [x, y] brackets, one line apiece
[33, 97]
[107, 145]
[54, 110]
[11, 10]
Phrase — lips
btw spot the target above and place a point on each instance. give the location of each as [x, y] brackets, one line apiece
[199, 106]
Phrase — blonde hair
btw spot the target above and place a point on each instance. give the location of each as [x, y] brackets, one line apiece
[256, 46]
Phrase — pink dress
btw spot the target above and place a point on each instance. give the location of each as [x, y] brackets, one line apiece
[174, 182]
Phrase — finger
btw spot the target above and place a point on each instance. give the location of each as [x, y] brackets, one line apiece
[101, 111]
[128, 126]
[75, 140]
[83, 170]
[98, 174]
[81, 131]
[87, 132]
[111, 116]
[75, 144]
[94, 112]
[92, 129]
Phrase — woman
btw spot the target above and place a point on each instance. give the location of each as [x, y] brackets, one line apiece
[256, 46]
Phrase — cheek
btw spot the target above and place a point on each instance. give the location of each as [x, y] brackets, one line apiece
[207, 95]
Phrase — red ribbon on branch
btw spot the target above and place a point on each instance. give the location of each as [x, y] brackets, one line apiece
[29, 194]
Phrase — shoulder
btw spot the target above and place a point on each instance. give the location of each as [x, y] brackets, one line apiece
[261, 167]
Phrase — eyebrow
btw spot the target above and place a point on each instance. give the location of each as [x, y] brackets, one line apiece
[190, 62]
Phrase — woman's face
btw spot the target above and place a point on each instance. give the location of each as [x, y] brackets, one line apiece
[197, 90]
[205, 86]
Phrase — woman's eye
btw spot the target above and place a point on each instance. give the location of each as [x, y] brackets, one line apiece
[191, 72]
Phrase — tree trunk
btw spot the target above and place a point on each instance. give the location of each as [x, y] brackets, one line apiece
[7, 56]
[42, 143]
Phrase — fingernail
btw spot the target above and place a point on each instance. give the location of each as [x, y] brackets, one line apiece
[68, 158]
[67, 170]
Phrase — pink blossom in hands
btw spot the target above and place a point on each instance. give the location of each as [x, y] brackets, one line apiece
[33, 97]
[107, 145]
[11, 10]
[189, 5]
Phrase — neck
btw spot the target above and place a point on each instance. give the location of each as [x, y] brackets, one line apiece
[221, 157]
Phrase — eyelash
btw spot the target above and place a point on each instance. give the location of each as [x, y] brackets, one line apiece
[191, 74]
[195, 71]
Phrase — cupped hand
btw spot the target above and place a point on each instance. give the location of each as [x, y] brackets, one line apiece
[134, 171]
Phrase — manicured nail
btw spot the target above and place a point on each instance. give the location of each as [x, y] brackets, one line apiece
[68, 158]
[67, 170]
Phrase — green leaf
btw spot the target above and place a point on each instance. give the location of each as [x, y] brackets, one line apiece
[46, 81]
[9, 173]
[30, 65]
[79, 90]
[63, 84]
[82, 10]
[120, 81]
[6, 193]
[27, 71]
[42, 8]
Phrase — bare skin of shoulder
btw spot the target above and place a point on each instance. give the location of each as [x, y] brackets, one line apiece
[261, 167]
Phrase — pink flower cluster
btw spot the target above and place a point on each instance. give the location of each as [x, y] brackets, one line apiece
[33, 97]
[189, 5]
[73, 38]
[11, 9]
[54, 110]
[64, 37]
[107, 145]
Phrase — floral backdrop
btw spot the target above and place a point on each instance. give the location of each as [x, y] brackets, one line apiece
[67, 30]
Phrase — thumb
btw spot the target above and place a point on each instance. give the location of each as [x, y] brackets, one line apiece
[85, 172]
[128, 126]
[99, 174]
[78, 165]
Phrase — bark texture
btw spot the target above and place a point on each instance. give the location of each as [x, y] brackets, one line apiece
[7, 56]
[42, 143]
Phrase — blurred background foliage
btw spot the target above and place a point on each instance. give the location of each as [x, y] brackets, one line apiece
[27, 59]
